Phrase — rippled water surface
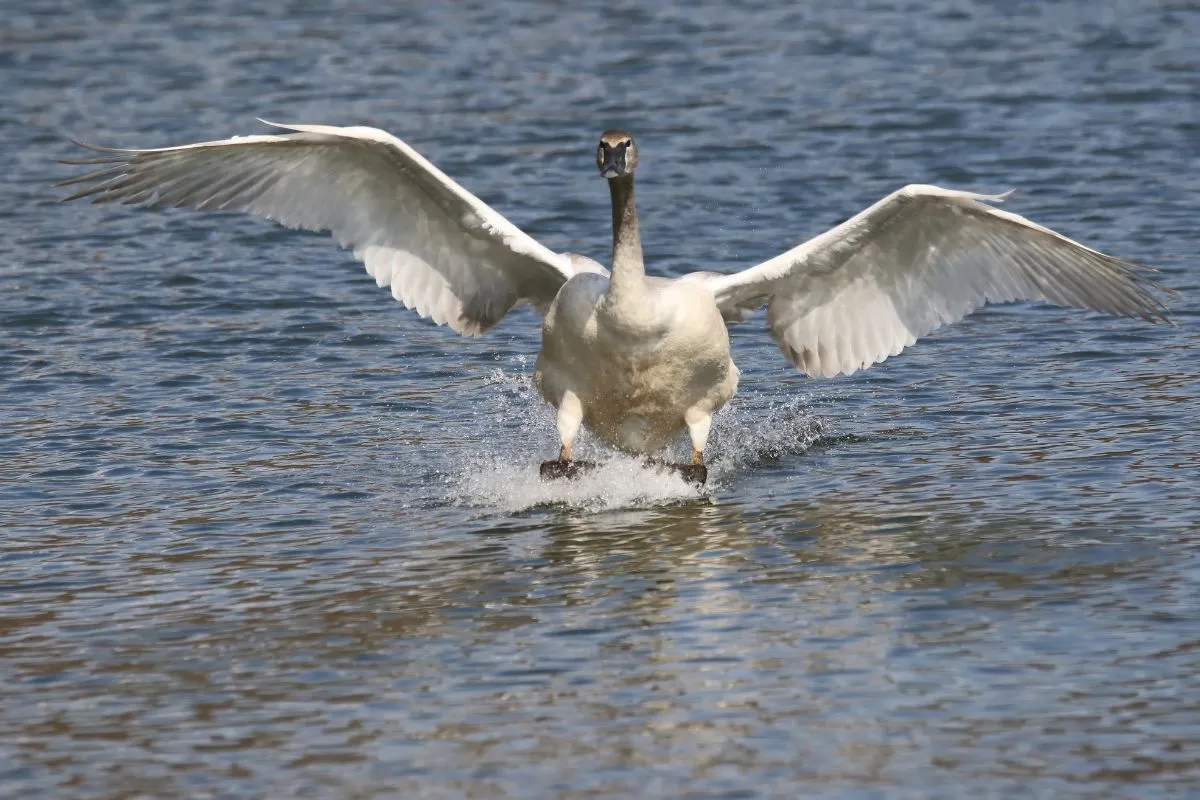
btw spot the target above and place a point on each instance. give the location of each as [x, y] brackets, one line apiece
[268, 534]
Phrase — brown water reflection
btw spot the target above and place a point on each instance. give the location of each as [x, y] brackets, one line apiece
[820, 641]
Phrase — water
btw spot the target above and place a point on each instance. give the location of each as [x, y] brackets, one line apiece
[268, 534]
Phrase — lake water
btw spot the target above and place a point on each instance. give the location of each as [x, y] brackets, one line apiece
[267, 534]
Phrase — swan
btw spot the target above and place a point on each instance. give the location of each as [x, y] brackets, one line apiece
[636, 359]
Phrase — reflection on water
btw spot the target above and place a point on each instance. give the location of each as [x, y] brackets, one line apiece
[844, 645]
[265, 534]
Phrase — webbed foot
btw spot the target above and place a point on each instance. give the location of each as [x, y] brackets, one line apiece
[564, 468]
[692, 473]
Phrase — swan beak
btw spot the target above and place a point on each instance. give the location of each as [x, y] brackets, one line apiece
[610, 168]
[611, 161]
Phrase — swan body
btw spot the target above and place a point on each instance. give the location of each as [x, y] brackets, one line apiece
[635, 358]
[635, 374]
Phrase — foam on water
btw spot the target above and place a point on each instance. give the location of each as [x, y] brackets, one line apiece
[504, 474]
[619, 481]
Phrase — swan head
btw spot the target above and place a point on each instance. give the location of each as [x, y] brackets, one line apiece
[617, 154]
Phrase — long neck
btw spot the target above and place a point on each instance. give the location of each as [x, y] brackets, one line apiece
[628, 269]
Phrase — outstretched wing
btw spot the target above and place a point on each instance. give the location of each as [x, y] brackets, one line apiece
[442, 250]
[918, 259]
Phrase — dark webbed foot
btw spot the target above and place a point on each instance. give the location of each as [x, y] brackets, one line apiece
[570, 469]
[692, 473]
[564, 468]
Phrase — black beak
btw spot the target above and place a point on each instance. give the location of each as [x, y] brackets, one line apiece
[612, 163]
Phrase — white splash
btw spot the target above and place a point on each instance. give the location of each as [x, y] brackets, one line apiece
[618, 481]
[504, 473]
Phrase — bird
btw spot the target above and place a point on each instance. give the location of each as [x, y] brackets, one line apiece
[636, 359]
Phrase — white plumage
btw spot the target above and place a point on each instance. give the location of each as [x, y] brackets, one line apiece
[637, 359]
[920, 258]
[443, 252]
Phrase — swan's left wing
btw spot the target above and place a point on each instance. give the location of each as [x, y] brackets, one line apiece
[918, 259]
[440, 249]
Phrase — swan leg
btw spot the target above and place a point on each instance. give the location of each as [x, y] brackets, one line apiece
[699, 423]
[570, 417]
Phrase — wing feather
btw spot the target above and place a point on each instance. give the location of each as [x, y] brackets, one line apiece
[441, 250]
[921, 258]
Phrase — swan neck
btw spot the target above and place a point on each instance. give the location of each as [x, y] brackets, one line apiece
[628, 269]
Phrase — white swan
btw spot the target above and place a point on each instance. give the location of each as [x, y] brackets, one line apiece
[637, 359]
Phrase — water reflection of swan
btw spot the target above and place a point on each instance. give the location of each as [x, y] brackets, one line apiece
[637, 359]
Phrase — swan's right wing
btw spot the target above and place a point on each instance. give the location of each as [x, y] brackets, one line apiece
[440, 249]
[920, 258]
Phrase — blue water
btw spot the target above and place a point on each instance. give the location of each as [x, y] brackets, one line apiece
[265, 533]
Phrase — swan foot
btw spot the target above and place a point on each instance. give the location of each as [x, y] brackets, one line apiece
[691, 473]
[564, 468]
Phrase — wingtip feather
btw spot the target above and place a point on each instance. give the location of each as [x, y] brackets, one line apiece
[95, 148]
[276, 125]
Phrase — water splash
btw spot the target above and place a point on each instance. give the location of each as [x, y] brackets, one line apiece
[619, 481]
[754, 429]
[504, 472]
